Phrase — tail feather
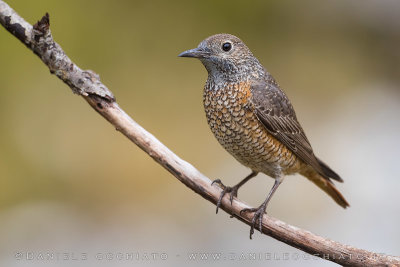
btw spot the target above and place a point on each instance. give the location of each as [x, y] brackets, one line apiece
[327, 186]
[329, 172]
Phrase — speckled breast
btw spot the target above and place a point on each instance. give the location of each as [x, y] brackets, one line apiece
[231, 118]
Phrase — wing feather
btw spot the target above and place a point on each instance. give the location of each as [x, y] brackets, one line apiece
[276, 113]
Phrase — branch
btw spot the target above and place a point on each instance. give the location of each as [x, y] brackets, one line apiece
[38, 38]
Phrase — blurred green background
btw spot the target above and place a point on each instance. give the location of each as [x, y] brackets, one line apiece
[70, 183]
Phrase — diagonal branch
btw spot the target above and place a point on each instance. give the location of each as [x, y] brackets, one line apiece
[38, 38]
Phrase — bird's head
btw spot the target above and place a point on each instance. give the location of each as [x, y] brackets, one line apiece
[224, 55]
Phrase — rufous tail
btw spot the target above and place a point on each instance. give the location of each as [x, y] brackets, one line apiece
[326, 185]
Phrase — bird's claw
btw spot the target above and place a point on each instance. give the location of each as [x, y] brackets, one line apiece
[218, 181]
[225, 189]
[258, 215]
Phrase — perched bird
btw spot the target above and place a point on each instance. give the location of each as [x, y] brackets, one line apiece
[253, 119]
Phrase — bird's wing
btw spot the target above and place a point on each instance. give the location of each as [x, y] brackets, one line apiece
[276, 113]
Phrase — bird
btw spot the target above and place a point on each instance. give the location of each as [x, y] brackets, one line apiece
[254, 120]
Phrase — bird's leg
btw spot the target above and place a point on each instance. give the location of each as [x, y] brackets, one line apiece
[260, 211]
[232, 190]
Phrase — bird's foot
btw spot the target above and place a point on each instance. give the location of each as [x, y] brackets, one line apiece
[225, 189]
[258, 216]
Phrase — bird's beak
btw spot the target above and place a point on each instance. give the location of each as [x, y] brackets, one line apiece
[196, 53]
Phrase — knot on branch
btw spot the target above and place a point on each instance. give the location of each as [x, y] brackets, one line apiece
[97, 87]
[41, 28]
[82, 82]
[43, 25]
[41, 36]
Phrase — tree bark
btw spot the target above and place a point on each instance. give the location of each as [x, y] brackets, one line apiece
[38, 38]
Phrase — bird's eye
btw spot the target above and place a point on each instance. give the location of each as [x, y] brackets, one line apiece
[227, 46]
